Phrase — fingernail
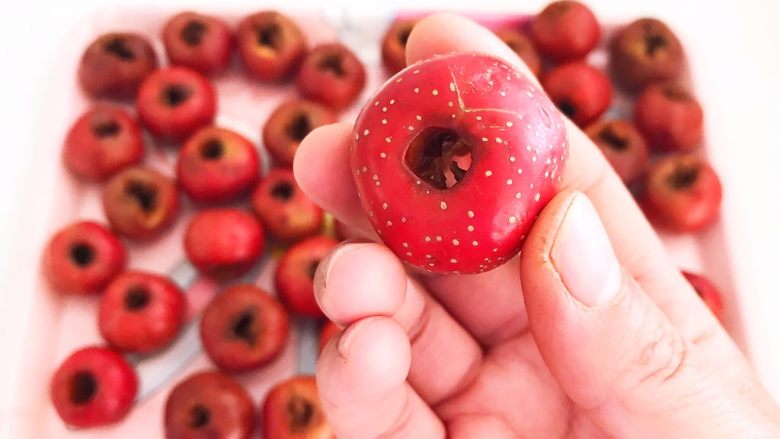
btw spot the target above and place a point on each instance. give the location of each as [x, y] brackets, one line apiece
[583, 256]
[325, 267]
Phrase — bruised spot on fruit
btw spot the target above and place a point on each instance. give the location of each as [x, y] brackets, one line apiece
[106, 128]
[174, 95]
[282, 190]
[301, 412]
[212, 149]
[83, 387]
[143, 193]
[299, 127]
[614, 140]
[243, 327]
[200, 416]
[674, 93]
[332, 62]
[193, 32]
[567, 108]
[118, 48]
[439, 156]
[137, 298]
[269, 35]
[82, 254]
[683, 177]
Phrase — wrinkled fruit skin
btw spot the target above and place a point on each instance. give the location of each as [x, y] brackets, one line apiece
[271, 46]
[175, 102]
[217, 165]
[327, 333]
[103, 141]
[331, 75]
[645, 51]
[140, 203]
[565, 31]
[289, 123]
[243, 328]
[581, 91]
[707, 291]
[295, 274]
[669, 118]
[82, 258]
[518, 148]
[223, 243]
[209, 405]
[115, 64]
[285, 211]
[141, 312]
[199, 42]
[622, 145]
[292, 410]
[94, 386]
[522, 46]
[394, 45]
[682, 193]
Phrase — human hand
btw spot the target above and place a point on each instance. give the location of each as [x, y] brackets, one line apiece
[591, 332]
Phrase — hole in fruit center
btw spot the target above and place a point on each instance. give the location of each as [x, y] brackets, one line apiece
[176, 94]
[243, 327]
[269, 35]
[567, 108]
[118, 48]
[137, 298]
[193, 32]
[83, 387]
[439, 157]
[299, 127]
[106, 128]
[403, 34]
[199, 416]
[212, 149]
[301, 412]
[683, 177]
[282, 190]
[613, 139]
[143, 193]
[82, 254]
[654, 41]
[312, 270]
[332, 62]
[674, 93]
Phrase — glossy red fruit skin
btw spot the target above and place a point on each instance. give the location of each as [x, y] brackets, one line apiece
[295, 274]
[523, 47]
[199, 42]
[622, 145]
[682, 193]
[645, 51]
[289, 123]
[327, 333]
[141, 312]
[223, 243]
[140, 203]
[216, 165]
[565, 31]
[82, 258]
[285, 211]
[243, 329]
[102, 141]
[110, 378]
[669, 118]
[707, 291]
[209, 404]
[271, 46]
[518, 151]
[292, 410]
[175, 102]
[331, 75]
[581, 91]
[394, 45]
[115, 64]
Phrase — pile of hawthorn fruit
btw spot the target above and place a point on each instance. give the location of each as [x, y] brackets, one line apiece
[245, 328]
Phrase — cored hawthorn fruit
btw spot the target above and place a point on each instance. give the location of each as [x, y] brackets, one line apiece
[645, 51]
[454, 158]
[565, 30]
[223, 243]
[292, 410]
[622, 145]
[271, 45]
[289, 124]
[669, 117]
[331, 75]
[115, 64]
[285, 210]
[523, 47]
[707, 291]
[294, 277]
[394, 45]
[581, 91]
[199, 42]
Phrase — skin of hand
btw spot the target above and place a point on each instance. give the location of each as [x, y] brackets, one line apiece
[592, 332]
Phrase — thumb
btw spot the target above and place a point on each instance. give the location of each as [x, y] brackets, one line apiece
[611, 349]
